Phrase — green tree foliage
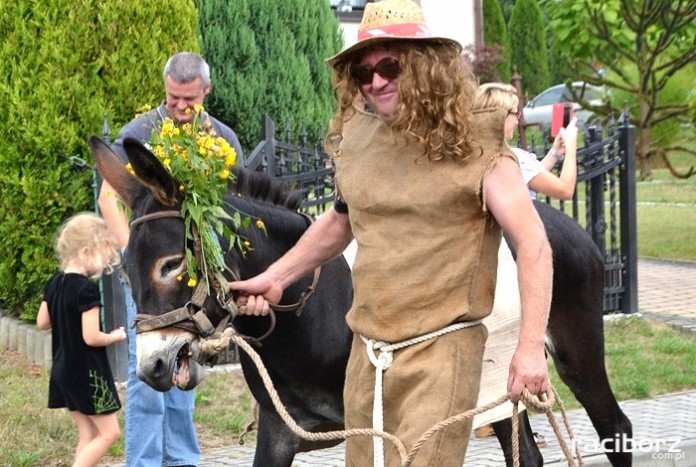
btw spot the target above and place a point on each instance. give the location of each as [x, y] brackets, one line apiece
[640, 46]
[527, 35]
[495, 33]
[268, 56]
[560, 69]
[65, 64]
[506, 9]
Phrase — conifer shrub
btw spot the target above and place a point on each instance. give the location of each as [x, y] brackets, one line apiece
[495, 34]
[267, 56]
[527, 36]
[67, 63]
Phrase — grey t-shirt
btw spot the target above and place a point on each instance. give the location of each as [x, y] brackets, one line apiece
[141, 128]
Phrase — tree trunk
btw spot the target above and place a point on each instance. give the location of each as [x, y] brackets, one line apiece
[643, 150]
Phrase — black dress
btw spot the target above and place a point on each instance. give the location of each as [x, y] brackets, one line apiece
[81, 377]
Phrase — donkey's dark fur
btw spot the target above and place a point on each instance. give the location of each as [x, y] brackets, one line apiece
[306, 356]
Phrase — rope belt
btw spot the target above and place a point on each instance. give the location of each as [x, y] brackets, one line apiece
[382, 362]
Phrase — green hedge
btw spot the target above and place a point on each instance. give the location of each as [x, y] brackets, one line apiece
[495, 32]
[527, 36]
[65, 64]
[267, 56]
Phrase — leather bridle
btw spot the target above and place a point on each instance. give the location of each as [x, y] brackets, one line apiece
[193, 316]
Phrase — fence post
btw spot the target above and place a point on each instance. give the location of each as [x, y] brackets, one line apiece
[114, 308]
[629, 230]
[595, 208]
[269, 148]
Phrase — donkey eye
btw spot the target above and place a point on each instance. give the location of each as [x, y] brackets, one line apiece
[171, 265]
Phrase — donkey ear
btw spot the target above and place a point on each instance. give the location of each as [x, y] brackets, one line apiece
[113, 170]
[151, 172]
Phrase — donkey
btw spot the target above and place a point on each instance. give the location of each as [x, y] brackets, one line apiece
[306, 355]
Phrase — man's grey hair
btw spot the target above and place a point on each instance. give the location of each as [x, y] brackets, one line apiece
[185, 67]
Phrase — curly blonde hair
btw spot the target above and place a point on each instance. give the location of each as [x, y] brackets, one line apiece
[435, 92]
[87, 229]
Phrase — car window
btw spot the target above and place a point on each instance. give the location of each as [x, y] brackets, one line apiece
[590, 93]
[549, 97]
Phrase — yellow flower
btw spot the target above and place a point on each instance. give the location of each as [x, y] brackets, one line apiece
[129, 168]
[201, 163]
[169, 128]
[260, 224]
[143, 109]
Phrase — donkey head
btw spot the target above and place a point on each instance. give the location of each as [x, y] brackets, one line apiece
[155, 261]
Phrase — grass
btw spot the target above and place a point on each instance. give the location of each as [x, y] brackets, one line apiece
[667, 214]
[32, 435]
[631, 363]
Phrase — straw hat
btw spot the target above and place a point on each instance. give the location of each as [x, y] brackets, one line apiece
[388, 21]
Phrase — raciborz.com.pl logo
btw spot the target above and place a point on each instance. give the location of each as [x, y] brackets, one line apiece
[667, 448]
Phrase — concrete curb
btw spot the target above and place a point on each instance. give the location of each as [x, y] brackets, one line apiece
[26, 338]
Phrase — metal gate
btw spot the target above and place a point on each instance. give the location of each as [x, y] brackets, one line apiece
[604, 204]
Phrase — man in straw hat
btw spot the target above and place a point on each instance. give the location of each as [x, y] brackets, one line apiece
[425, 187]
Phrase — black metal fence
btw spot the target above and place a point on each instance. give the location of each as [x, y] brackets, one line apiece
[605, 205]
[304, 166]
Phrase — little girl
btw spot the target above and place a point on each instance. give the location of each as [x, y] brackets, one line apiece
[81, 378]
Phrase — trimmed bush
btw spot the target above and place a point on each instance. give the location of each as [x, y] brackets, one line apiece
[527, 35]
[268, 56]
[495, 33]
[65, 64]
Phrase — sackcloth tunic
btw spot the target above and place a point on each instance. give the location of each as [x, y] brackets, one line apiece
[426, 258]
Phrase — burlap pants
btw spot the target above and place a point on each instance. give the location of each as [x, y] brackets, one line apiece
[426, 383]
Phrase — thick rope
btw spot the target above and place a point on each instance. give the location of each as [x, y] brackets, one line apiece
[214, 345]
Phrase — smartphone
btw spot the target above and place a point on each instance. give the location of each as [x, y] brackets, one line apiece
[561, 115]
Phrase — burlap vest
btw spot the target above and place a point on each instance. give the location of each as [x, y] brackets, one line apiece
[427, 246]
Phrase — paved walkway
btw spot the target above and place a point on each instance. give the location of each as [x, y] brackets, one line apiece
[664, 427]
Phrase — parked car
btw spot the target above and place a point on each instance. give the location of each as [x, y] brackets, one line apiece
[538, 110]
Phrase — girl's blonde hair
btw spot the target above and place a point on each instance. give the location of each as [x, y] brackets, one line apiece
[87, 229]
[435, 92]
[495, 95]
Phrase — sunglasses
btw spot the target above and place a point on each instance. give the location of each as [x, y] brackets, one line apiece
[387, 68]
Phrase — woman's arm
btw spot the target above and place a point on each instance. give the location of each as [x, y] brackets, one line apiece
[563, 185]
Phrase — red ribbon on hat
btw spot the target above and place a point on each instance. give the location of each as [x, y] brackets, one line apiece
[395, 30]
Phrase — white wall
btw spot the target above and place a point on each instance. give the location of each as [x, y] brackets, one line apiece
[446, 18]
[450, 18]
